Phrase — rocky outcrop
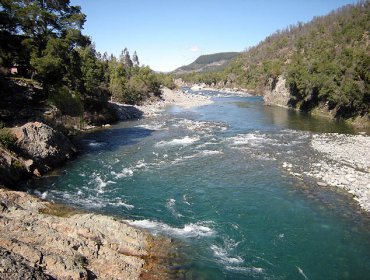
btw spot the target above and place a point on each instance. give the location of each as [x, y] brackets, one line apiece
[46, 147]
[13, 266]
[276, 92]
[125, 112]
[47, 241]
[12, 168]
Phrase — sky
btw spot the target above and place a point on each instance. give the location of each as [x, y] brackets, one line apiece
[167, 34]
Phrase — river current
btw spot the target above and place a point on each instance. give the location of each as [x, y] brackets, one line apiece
[214, 178]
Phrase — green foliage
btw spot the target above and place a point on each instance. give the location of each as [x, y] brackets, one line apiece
[331, 63]
[7, 139]
[69, 103]
[166, 80]
[95, 81]
[132, 85]
[325, 61]
[45, 38]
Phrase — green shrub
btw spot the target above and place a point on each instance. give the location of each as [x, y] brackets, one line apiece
[67, 101]
[7, 139]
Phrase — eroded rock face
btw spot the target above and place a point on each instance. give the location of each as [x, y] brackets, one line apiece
[277, 93]
[47, 147]
[68, 246]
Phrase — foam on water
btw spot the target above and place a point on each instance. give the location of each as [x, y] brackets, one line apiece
[140, 164]
[201, 126]
[170, 204]
[42, 195]
[180, 141]
[94, 143]
[249, 270]
[223, 255]
[121, 203]
[191, 230]
[100, 183]
[251, 139]
[153, 126]
[185, 200]
[211, 152]
[126, 172]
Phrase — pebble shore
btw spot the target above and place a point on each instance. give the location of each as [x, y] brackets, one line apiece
[344, 162]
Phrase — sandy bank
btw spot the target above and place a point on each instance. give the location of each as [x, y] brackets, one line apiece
[40, 240]
[174, 97]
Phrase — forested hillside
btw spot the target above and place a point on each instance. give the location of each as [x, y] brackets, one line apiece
[43, 52]
[325, 62]
[208, 63]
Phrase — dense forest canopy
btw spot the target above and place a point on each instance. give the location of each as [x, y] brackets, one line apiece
[42, 41]
[324, 61]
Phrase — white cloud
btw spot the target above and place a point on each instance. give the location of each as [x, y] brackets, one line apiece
[194, 48]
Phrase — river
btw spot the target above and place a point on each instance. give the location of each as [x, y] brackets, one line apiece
[213, 178]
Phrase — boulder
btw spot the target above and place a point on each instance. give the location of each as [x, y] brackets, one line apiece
[47, 147]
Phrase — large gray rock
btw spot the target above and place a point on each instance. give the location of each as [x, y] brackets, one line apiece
[277, 93]
[47, 147]
[125, 112]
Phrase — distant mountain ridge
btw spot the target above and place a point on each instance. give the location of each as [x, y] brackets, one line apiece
[208, 63]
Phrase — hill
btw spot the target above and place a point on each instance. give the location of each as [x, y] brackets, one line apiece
[208, 63]
[321, 64]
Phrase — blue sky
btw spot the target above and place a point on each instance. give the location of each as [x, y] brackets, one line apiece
[167, 34]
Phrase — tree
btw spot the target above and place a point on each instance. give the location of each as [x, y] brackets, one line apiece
[34, 22]
[125, 58]
[135, 59]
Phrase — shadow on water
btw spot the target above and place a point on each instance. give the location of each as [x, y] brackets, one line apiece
[283, 117]
[304, 121]
[111, 139]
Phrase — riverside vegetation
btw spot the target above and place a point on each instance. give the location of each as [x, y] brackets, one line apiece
[51, 73]
[42, 43]
[54, 82]
[325, 63]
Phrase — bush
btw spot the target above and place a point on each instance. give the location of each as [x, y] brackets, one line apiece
[67, 101]
[7, 139]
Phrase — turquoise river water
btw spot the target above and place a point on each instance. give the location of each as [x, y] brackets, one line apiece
[211, 177]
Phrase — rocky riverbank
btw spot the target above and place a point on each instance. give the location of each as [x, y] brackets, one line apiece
[225, 89]
[40, 240]
[345, 163]
[335, 160]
